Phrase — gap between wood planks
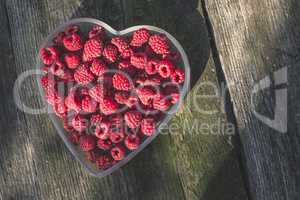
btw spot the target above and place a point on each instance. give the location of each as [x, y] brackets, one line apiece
[228, 106]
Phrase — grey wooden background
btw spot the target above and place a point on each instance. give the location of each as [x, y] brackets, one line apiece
[234, 41]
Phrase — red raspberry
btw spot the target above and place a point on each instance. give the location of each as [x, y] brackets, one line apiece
[116, 136]
[117, 153]
[124, 64]
[140, 37]
[148, 126]
[98, 67]
[108, 106]
[79, 123]
[96, 119]
[58, 40]
[104, 162]
[97, 92]
[97, 31]
[177, 76]
[72, 29]
[159, 44]
[49, 55]
[87, 143]
[102, 130]
[121, 82]
[88, 104]
[73, 42]
[151, 67]
[104, 144]
[110, 53]
[122, 46]
[131, 101]
[160, 102]
[60, 109]
[51, 96]
[132, 142]
[133, 119]
[83, 75]
[139, 60]
[121, 97]
[57, 68]
[92, 49]
[165, 68]
[47, 81]
[146, 94]
[72, 60]
[73, 103]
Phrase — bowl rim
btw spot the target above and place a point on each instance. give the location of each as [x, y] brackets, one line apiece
[147, 141]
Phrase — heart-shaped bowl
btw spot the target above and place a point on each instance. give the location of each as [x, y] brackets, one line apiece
[85, 24]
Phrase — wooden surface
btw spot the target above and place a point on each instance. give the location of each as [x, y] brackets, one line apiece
[252, 40]
[255, 39]
[35, 164]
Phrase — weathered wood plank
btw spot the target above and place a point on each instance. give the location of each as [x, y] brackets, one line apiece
[177, 166]
[257, 39]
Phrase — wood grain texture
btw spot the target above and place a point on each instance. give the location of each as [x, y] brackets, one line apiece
[255, 39]
[35, 164]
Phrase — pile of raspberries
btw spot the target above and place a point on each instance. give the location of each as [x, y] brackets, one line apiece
[110, 92]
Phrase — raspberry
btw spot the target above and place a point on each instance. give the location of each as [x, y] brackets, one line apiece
[96, 119]
[104, 144]
[121, 97]
[87, 143]
[110, 53]
[139, 60]
[92, 49]
[151, 67]
[58, 40]
[140, 37]
[79, 123]
[97, 92]
[121, 82]
[51, 96]
[108, 106]
[72, 102]
[117, 153]
[60, 109]
[146, 94]
[73, 42]
[57, 68]
[161, 103]
[97, 31]
[159, 44]
[116, 136]
[124, 64]
[83, 75]
[102, 130]
[133, 119]
[122, 46]
[132, 142]
[72, 29]
[89, 105]
[104, 162]
[47, 81]
[165, 68]
[98, 67]
[72, 60]
[49, 55]
[177, 76]
[148, 126]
